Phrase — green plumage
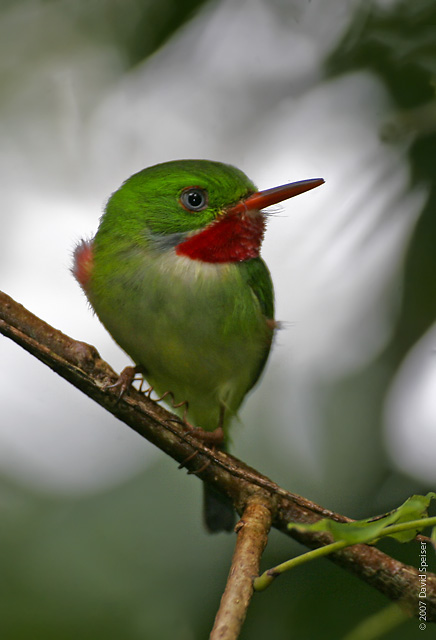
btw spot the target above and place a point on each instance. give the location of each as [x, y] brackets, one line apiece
[198, 329]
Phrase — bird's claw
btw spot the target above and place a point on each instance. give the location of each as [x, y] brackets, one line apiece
[124, 381]
[213, 438]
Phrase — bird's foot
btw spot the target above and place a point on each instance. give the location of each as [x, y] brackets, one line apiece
[125, 380]
[174, 404]
[213, 438]
[210, 438]
[193, 455]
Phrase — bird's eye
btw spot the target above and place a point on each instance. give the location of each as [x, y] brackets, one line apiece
[194, 199]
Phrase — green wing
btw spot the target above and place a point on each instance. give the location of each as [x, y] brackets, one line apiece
[256, 275]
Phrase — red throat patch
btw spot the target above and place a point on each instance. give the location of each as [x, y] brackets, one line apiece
[232, 238]
[83, 262]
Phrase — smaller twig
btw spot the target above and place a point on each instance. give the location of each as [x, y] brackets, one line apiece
[263, 581]
[252, 532]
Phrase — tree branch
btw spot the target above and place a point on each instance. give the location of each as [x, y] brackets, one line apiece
[82, 366]
[252, 532]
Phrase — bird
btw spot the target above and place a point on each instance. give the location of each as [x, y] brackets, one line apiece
[174, 274]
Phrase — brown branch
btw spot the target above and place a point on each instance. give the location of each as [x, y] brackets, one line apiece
[252, 532]
[81, 365]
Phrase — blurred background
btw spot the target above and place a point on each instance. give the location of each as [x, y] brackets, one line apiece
[101, 536]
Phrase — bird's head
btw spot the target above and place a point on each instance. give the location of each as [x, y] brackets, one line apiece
[200, 209]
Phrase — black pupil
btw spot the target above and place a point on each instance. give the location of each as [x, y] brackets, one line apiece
[195, 199]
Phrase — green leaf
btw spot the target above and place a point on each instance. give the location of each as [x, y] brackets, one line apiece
[371, 529]
[414, 508]
[433, 537]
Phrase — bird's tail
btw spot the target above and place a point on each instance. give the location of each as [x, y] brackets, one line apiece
[219, 514]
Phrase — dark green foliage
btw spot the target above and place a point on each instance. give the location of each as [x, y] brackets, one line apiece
[398, 44]
[137, 27]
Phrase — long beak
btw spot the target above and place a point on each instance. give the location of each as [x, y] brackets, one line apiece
[262, 199]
